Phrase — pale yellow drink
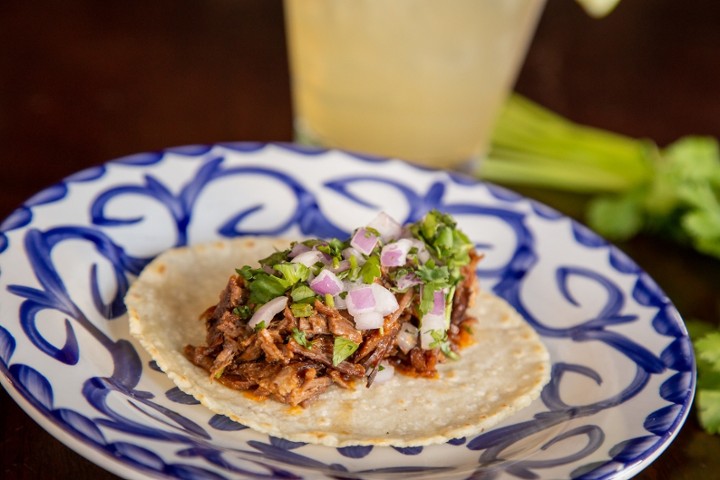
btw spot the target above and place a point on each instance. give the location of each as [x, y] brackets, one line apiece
[416, 79]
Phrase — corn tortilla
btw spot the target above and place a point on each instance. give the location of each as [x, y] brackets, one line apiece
[502, 372]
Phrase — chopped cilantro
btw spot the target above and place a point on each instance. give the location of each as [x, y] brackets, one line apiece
[427, 297]
[242, 311]
[371, 269]
[352, 274]
[260, 326]
[342, 349]
[265, 287]
[247, 272]
[371, 232]
[274, 258]
[302, 293]
[430, 273]
[440, 340]
[439, 232]
[292, 272]
[333, 247]
[299, 337]
[301, 310]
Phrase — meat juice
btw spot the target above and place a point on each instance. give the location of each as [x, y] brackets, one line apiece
[421, 80]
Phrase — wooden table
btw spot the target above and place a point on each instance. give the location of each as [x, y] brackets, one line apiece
[83, 81]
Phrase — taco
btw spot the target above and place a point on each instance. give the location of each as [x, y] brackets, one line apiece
[380, 339]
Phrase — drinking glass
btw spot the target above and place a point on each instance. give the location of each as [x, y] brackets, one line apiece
[421, 80]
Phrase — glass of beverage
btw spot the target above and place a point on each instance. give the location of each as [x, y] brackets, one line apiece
[421, 80]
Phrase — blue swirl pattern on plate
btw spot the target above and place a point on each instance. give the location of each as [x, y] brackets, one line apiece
[623, 373]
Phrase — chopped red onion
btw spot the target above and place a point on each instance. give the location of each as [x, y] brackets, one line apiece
[407, 337]
[407, 281]
[310, 258]
[364, 241]
[351, 252]
[385, 373]
[385, 301]
[326, 282]
[297, 249]
[341, 267]
[438, 302]
[388, 228]
[395, 254]
[360, 300]
[339, 302]
[268, 311]
[348, 285]
[369, 320]
[422, 254]
[370, 298]
[430, 323]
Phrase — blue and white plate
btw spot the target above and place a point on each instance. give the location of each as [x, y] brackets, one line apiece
[622, 364]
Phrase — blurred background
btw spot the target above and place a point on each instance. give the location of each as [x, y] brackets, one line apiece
[83, 82]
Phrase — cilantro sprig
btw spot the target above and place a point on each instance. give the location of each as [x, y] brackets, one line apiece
[441, 341]
[448, 244]
[449, 248]
[706, 341]
[371, 269]
[450, 251]
[299, 336]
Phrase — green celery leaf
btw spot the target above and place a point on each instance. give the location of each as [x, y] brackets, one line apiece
[694, 158]
[708, 402]
[616, 218]
[708, 349]
[704, 230]
[698, 328]
[707, 353]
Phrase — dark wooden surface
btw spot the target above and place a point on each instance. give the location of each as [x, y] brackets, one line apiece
[84, 81]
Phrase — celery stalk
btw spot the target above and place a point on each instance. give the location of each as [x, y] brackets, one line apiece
[533, 146]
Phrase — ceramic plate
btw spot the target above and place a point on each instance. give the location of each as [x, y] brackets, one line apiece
[622, 365]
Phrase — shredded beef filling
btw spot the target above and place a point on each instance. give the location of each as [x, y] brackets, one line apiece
[270, 363]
